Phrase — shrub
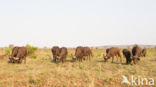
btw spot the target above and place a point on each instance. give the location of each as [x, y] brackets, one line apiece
[34, 56]
[31, 49]
[8, 50]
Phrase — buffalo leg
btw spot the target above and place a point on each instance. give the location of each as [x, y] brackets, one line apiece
[134, 60]
[120, 60]
[81, 59]
[63, 60]
[112, 59]
[126, 60]
[20, 60]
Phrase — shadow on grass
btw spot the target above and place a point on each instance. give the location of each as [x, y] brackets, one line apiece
[66, 61]
[14, 63]
[101, 61]
[117, 63]
[69, 61]
[153, 60]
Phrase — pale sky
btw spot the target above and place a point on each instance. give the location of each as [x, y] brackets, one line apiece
[77, 22]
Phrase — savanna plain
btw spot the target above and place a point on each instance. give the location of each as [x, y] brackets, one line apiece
[41, 71]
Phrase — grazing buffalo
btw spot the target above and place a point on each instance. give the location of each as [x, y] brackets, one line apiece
[55, 52]
[13, 54]
[87, 53]
[62, 55]
[79, 54]
[127, 54]
[144, 52]
[22, 53]
[112, 53]
[136, 51]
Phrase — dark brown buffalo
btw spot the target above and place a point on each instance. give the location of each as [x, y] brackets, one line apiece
[63, 54]
[136, 51]
[87, 53]
[144, 52]
[13, 54]
[22, 53]
[55, 52]
[112, 53]
[79, 54]
[127, 54]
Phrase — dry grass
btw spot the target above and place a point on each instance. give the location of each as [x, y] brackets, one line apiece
[42, 72]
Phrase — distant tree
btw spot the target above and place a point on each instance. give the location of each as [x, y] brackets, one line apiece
[45, 47]
[135, 45]
[129, 47]
[11, 46]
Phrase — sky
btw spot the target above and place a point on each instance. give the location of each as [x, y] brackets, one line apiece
[73, 23]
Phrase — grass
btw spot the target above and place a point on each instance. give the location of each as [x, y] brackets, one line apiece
[42, 72]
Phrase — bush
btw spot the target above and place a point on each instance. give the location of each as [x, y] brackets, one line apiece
[34, 56]
[31, 49]
[8, 50]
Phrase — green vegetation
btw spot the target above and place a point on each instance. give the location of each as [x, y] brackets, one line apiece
[31, 51]
[8, 50]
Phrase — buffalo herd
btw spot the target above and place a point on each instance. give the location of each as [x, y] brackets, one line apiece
[82, 53]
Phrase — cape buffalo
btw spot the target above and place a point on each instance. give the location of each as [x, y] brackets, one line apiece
[55, 52]
[112, 53]
[127, 54]
[22, 53]
[136, 51]
[79, 54]
[63, 54]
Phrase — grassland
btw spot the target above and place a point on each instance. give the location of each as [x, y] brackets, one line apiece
[42, 72]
